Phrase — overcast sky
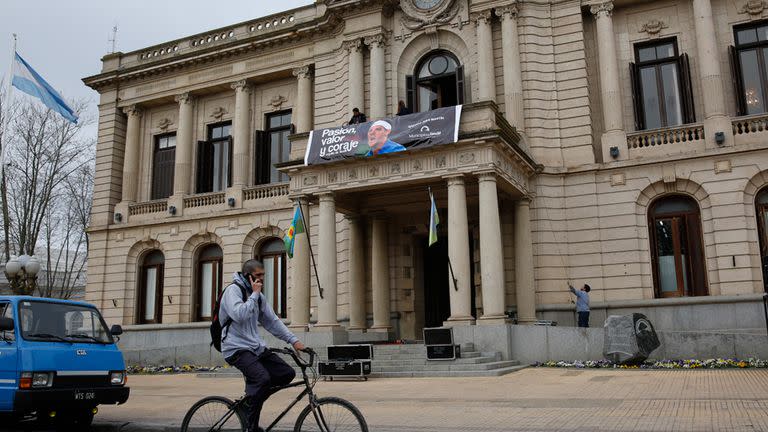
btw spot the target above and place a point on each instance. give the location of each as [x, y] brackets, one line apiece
[64, 40]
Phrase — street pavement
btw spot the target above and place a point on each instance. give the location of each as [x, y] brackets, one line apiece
[534, 399]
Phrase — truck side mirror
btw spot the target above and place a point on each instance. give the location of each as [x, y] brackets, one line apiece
[116, 330]
[6, 324]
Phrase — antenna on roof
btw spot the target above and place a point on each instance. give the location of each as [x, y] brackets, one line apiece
[113, 39]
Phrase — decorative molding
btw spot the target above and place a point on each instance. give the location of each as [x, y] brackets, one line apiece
[754, 8]
[277, 101]
[653, 27]
[507, 12]
[304, 72]
[602, 9]
[310, 180]
[482, 17]
[466, 158]
[184, 98]
[395, 169]
[378, 40]
[440, 162]
[352, 45]
[332, 176]
[416, 19]
[164, 123]
[241, 85]
[722, 166]
[618, 179]
[132, 111]
[218, 112]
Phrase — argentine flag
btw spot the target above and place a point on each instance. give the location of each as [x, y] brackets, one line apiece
[30, 82]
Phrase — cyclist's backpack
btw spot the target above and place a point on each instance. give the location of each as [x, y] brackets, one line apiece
[216, 328]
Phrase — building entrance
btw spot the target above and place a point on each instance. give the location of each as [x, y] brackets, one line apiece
[437, 305]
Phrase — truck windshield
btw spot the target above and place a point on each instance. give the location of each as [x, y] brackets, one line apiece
[61, 322]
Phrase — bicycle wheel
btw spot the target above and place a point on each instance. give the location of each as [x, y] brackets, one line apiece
[336, 415]
[213, 414]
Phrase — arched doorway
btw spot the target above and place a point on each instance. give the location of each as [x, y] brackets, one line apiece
[208, 281]
[272, 254]
[761, 210]
[437, 81]
[677, 249]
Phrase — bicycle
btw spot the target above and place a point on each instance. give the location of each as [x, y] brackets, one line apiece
[329, 414]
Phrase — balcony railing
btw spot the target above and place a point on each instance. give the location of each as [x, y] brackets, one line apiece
[205, 200]
[751, 124]
[266, 191]
[158, 206]
[658, 137]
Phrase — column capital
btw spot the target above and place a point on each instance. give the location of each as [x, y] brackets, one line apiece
[303, 72]
[378, 40]
[604, 9]
[454, 179]
[184, 98]
[354, 45]
[524, 201]
[507, 12]
[482, 17]
[241, 85]
[325, 196]
[133, 111]
[484, 176]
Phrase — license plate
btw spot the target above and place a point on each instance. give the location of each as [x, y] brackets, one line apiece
[85, 395]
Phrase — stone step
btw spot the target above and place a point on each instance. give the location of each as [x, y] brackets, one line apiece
[452, 373]
[423, 355]
[447, 366]
[423, 361]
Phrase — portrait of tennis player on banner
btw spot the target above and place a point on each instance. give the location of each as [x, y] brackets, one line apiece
[378, 139]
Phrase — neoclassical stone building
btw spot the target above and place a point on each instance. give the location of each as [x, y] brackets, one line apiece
[616, 143]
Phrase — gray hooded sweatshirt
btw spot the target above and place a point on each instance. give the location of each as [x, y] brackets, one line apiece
[243, 333]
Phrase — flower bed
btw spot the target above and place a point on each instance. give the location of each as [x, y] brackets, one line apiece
[151, 370]
[660, 364]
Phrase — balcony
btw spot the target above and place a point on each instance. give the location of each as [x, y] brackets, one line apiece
[667, 141]
[748, 130]
[148, 208]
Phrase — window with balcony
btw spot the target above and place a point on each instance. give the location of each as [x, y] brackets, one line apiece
[163, 164]
[209, 281]
[273, 147]
[214, 159]
[662, 94]
[150, 299]
[272, 254]
[749, 68]
[761, 209]
[677, 247]
[437, 82]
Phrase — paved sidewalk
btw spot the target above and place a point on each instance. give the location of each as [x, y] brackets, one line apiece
[534, 399]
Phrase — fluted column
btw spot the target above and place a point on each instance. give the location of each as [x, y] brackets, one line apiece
[327, 315]
[458, 252]
[378, 80]
[708, 59]
[513, 75]
[303, 107]
[131, 156]
[356, 75]
[380, 275]
[491, 252]
[184, 145]
[301, 275]
[524, 278]
[241, 126]
[357, 320]
[485, 69]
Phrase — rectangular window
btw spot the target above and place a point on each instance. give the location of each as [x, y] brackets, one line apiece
[273, 147]
[6, 311]
[214, 159]
[163, 164]
[749, 68]
[661, 86]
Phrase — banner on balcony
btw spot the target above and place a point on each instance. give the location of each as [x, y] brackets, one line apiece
[390, 135]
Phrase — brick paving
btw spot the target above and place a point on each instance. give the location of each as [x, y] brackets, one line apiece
[529, 400]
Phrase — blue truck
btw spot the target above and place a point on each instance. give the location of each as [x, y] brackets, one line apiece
[58, 361]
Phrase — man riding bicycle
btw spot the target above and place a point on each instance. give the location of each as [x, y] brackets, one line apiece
[243, 347]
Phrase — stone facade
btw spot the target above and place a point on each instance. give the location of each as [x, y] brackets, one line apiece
[549, 180]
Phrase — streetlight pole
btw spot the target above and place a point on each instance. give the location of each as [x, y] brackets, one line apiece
[22, 274]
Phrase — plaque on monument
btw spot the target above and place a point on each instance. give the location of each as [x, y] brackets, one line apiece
[629, 339]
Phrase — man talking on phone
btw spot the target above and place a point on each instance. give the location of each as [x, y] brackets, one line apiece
[243, 347]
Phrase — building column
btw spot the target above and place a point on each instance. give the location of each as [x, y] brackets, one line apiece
[327, 314]
[304, 102]
[356, 75]
[241, 126]
[182, 171]
[357, 319]
[610, 91]
[131, 157]
[301, 275]
[513, 75]
[491, 252]
[378, 78]
[485, 69]
[458, 253]
[708, 57]
[380, 275]
[524, 279]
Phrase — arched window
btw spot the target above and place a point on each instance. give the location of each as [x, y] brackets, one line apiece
[761, 209]
[272, 254]
[676, 247]
[150, 310]
[209, 280]
[438, 81]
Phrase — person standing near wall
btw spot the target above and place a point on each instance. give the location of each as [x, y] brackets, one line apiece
[582, 303]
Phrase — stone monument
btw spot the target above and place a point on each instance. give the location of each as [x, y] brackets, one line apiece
[629, 339]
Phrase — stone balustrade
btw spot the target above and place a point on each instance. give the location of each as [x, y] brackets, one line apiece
[203, 200]
[666, 141]
[149, 207]
[750, 124]
[266, 191]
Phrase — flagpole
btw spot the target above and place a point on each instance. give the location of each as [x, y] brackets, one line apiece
[7, 108]
[309, 243]
[450, 266]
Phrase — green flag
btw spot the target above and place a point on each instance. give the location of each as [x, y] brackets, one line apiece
[434, 219]
[297, 227]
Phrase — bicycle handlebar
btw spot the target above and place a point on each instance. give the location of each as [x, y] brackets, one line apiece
[297, 358]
